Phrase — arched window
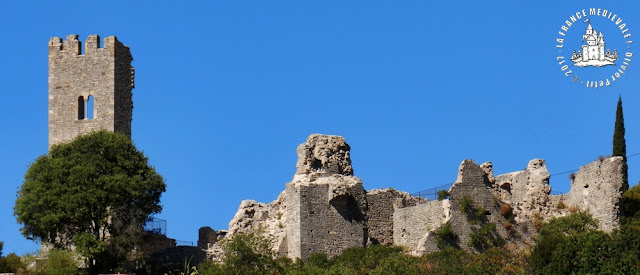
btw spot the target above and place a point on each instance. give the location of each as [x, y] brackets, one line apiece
[85, 107]
[81, 108]
[90, 107]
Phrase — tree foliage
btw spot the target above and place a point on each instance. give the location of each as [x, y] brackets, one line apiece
[94, 193]
[620, 145]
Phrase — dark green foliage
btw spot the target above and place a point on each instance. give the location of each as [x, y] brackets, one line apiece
[485, 237]
[11, 263]
[446, 261]
[466, 204]
[445, 236]
[248, 254]
[496, 261]
[631, 201]
[620, 145]
[555, 233]
[96, 183]
[581, 253]
[443, 194]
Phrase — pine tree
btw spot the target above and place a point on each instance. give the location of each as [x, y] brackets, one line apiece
[620, 145]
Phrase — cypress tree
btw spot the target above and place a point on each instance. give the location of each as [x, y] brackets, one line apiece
[620, 145]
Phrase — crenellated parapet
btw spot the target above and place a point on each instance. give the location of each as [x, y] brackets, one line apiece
[71, 46]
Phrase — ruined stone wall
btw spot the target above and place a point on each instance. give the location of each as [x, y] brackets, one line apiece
[596, 189]
[329, 213]
[414, 226]
[527, 191]
[381, 207]
[103, 73]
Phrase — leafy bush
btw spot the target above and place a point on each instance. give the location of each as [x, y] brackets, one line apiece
[555, 233]
[631, 201]
[485, 237]
[62, 262]
[446, 261]
[443, 194]
[445, 237]
[466, 204]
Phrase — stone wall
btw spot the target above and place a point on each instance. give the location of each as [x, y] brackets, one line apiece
[326, 215]
[526, 191]
[104, 73]
[325, 209]
[596, 189]
[413, 226]
[381, 207]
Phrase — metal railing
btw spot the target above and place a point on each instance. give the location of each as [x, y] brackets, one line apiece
[184, 243]
[156, 225]
[432, 193]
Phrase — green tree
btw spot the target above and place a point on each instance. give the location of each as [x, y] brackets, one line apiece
[620, 145]
[94, 193]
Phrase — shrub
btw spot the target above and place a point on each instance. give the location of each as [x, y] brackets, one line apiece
[572, 176]
[61, 262]
[466, 204]
[561, 205]
[443, 194]
[538, 221]
[506, 211]
[446, 261]
[445, 237]
[485, 237]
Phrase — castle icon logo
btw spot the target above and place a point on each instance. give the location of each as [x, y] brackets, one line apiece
[592, 53]
[594, 63]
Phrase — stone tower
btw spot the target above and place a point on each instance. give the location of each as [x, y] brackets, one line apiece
[89, 91]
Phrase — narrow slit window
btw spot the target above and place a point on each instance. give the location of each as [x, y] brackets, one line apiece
[90, 108]
[80, 107]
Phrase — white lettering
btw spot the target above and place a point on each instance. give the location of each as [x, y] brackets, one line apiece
[573, 19]
[599, 12]
[622, 26]
[592, 11]
[627, 35]
[560, 40]
[628, 54]
[604, 13]
[564, 28]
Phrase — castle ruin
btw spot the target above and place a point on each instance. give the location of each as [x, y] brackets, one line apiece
[325, 209]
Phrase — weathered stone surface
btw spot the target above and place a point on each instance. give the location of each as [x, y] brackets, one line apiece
[526, 191]
[382, 204]
[413, 226]
[324, 154]
[325, 209]
[268, 219]
[596, 189]
[104, 73]
[319, 221]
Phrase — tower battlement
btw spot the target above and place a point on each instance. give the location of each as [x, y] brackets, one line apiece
[71, 45]
[89, 91]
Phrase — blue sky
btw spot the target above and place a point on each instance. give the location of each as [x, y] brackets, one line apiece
[225, 92]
